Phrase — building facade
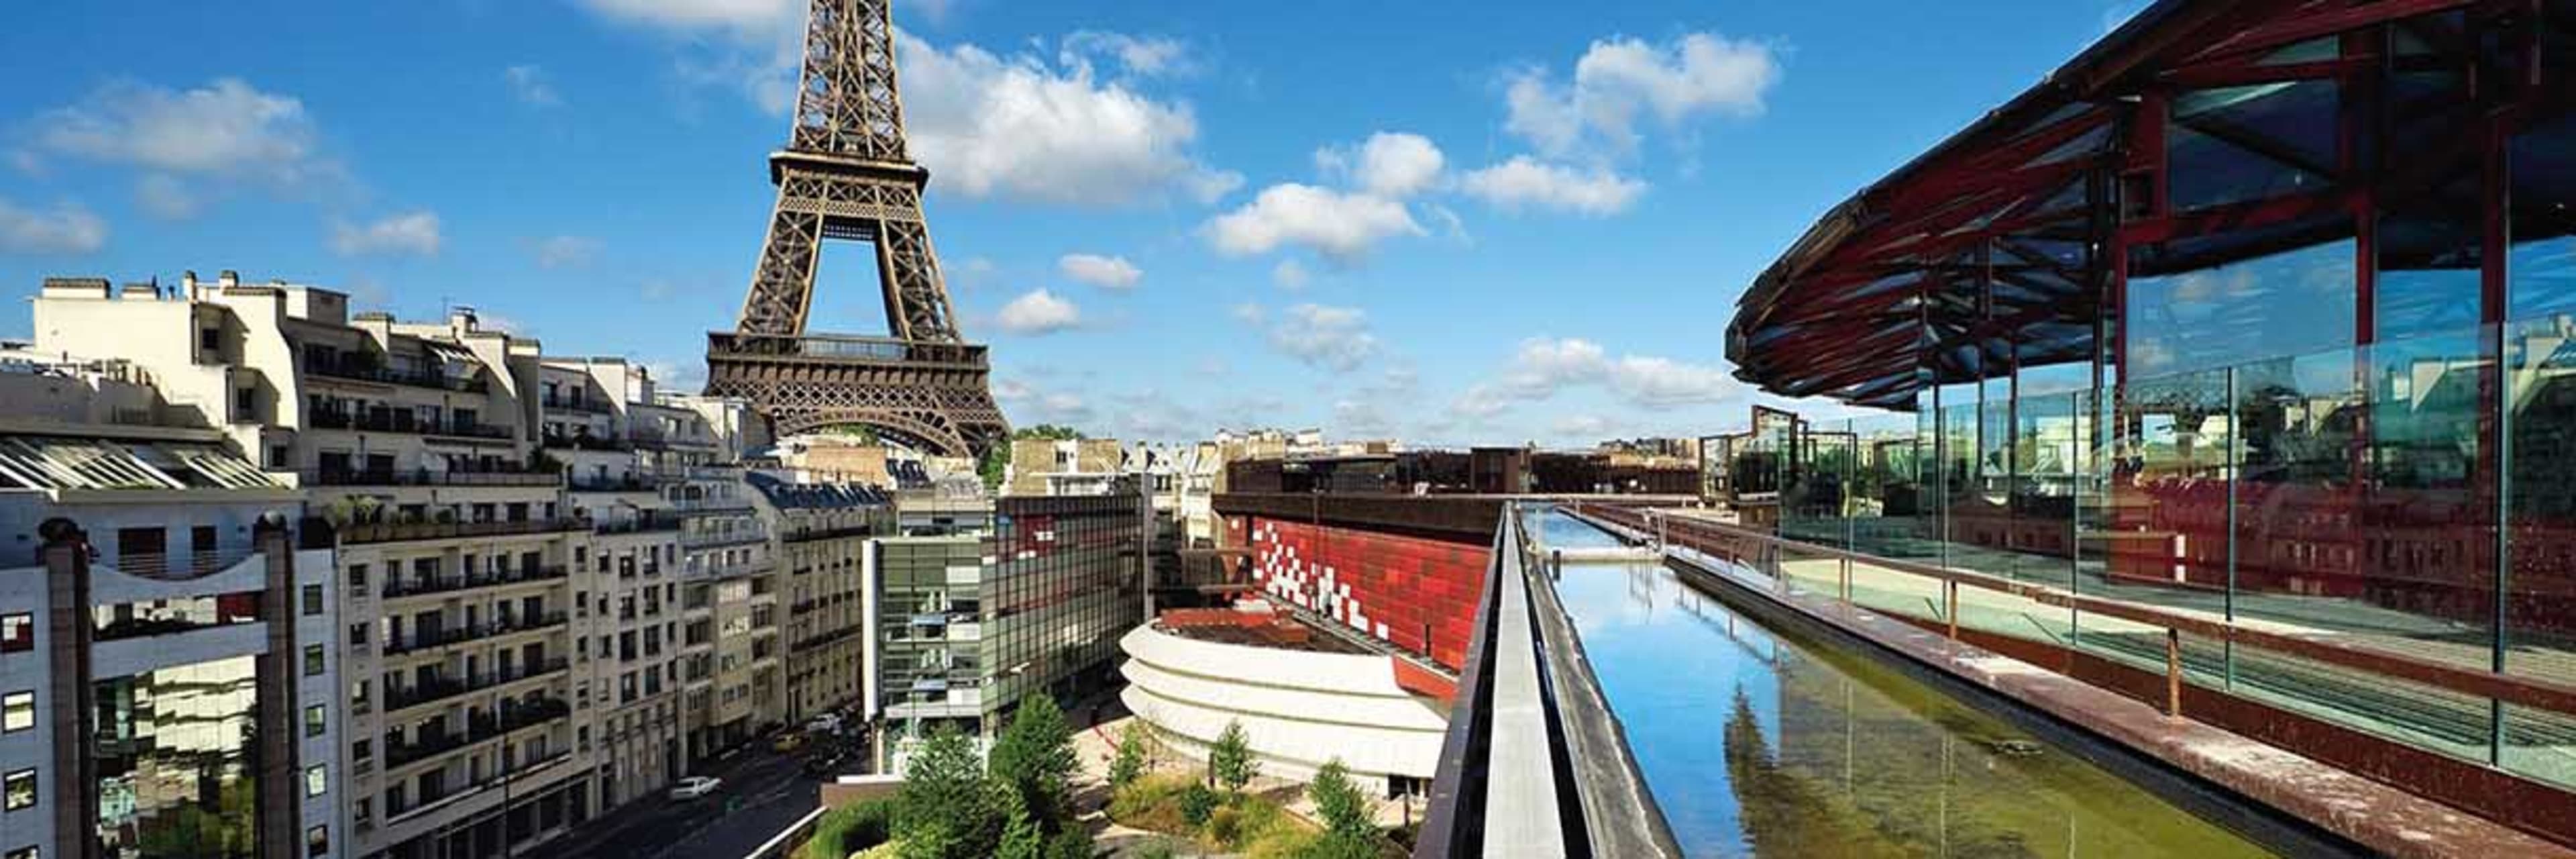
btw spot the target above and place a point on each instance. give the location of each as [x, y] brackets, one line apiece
[1028, 597]
[153, 696]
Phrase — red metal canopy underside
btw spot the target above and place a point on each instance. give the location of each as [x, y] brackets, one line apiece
[1991, 250]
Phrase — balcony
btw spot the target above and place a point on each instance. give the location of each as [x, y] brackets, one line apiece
[611, 483]
[445, 636]
[585, 441]
[728, 537]
[507, 476]
[513, 717]
[180, 566]
[642, 523]
[392, 532]
[368, 372]
[567, 404]
[713, 505]
[406, 423]
[399, 587]
[445, 688]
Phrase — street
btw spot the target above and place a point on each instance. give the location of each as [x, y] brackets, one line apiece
[763, 792]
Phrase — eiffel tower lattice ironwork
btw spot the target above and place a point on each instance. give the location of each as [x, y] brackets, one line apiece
[845, 176]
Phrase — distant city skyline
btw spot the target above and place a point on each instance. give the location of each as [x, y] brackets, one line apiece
[1164, 220]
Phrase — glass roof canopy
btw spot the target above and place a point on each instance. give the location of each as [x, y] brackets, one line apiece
[2201, 133]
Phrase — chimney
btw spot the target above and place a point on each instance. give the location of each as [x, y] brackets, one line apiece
[188, 284]
[228, 279]
[461, 318]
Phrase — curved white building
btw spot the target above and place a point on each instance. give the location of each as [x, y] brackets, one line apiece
[1299, 708]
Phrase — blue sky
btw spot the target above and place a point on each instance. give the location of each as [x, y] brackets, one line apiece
[1447, 221]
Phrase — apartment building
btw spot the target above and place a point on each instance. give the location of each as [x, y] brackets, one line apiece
[731, 680]
[820, 534]
[599, 427]
[415, 443]
[153, 698]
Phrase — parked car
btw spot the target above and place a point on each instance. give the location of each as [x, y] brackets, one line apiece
[824, 763]
[695, 786]
[827, 723]
[787, 742]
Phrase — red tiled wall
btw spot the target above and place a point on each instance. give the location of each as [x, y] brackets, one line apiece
[1388, 586]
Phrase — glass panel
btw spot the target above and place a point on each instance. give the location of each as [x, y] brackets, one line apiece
[2286, 303]
[175, 753]
[2242, 143]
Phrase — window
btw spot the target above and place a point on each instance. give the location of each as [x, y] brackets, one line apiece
[317, 719]
[317, 781]
[19, 790]
[361, 750]
[357, 634]
[312, 600]
[317, 841]
[313, 660]
[358, 577]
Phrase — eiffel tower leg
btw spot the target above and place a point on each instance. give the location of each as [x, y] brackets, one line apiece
[912, 284]
[783, 289]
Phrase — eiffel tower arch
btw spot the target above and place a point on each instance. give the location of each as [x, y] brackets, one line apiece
[846, 176]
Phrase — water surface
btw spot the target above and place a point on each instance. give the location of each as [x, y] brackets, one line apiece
[1758, 743]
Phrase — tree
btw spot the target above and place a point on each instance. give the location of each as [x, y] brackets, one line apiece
[1132, 755]
[1230, 760]
[1344, 809]
[998, 457]
[944, 799]
[1021, 837]
[1036, 760]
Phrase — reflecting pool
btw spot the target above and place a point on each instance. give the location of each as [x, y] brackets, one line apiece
[1760, 743]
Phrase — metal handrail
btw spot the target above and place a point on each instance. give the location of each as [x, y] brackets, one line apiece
[1729, 541]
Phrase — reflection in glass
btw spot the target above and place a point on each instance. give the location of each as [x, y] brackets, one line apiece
[176, 755]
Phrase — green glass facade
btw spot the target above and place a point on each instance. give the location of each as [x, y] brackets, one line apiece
[177, 757]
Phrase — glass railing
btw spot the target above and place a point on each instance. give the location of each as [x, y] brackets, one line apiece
[2412, 497]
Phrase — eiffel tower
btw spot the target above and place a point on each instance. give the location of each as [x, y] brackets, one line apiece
[845, 176]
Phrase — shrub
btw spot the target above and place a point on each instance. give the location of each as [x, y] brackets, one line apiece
[850, 829]
[1151, 803]
[1132, 760]
[1197, 803]
[1069, 844]
[1225, 826]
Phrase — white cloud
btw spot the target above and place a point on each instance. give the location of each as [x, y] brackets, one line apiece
[1019, 127]
[1620, 81]
[565, 251]
[1340, 227]
[1333, 338]
[227, 128]
[1544, 366]
[1142, 56]
[1389, 164]
[1526, 182]
[1579, 425]
[1106, 272]
[67, 228]
[1038, 312]
[164, 196]
[414, 233]
[1290, 275]
[528, 83]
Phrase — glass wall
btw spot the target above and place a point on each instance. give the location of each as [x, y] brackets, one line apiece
[177, 759]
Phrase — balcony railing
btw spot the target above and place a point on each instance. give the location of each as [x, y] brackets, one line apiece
[412, 586]
[179, 566]
[712, 505]
[728, 537]
[877, 350]
[389, 532]
[641, 523]
[513, 716]
[611, 483]
[587, 442]
[412, 378]
[404, 422]
[427, 477]
[444, 636]
[592, 406]
[443, 688]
